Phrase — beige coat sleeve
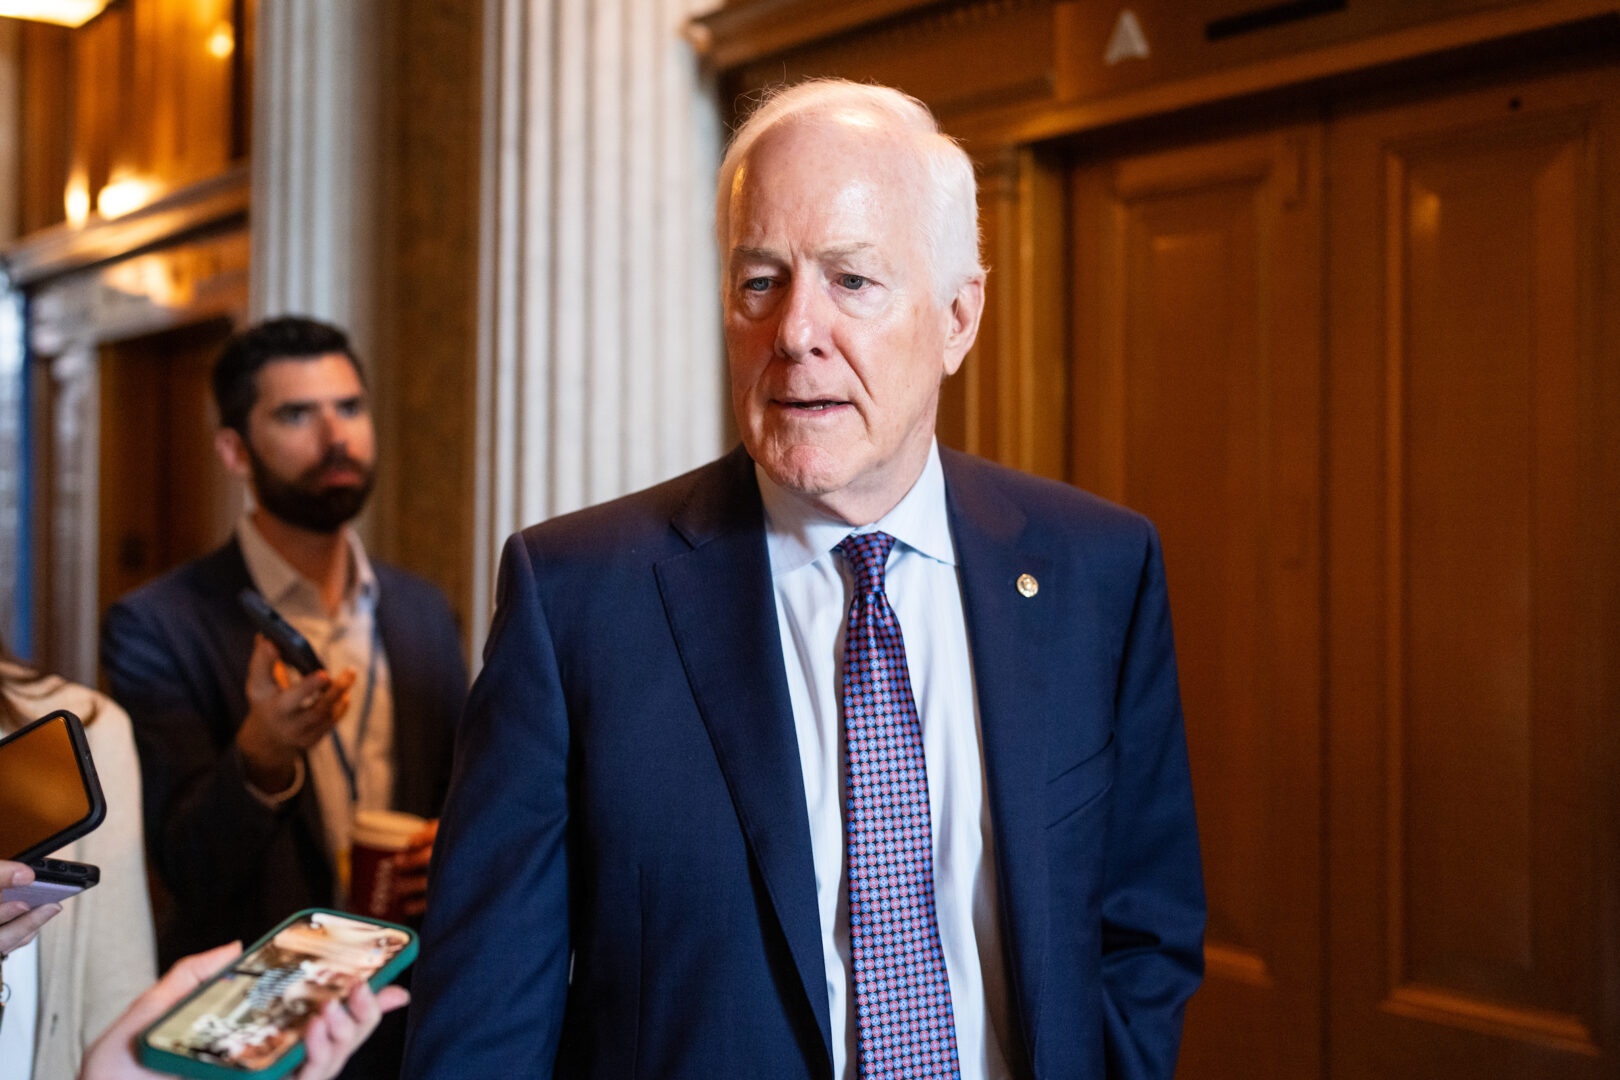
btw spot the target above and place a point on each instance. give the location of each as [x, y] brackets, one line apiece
[98, 954]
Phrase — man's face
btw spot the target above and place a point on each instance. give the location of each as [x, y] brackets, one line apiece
[310, 450]
[837, 344]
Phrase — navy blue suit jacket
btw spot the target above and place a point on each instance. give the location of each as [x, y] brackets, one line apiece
[623, 884]
[175, 654]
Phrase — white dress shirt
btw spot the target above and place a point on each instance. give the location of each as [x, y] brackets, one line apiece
[814, 589]
[348, 639]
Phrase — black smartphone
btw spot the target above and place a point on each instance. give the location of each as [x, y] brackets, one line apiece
[54, 881]
[295, 650]
[49, 793]
[249, 1019]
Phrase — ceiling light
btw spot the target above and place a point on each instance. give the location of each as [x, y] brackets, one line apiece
[61, 12]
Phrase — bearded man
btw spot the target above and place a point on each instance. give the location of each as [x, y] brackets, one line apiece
[253, 773]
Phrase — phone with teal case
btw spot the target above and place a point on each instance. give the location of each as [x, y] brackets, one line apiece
[249, 1019]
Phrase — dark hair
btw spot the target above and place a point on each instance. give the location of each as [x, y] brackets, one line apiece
[287, 337]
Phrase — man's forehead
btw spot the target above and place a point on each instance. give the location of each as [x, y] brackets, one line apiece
[805, 150]
[330, 375]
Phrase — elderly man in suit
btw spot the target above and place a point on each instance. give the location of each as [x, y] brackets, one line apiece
[845, 755]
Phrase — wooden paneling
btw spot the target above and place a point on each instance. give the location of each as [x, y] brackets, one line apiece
[164, 498]
[1474, 506]
[149, 97]
[1196, 400]
[957, 57]
[45, 132]
[426, 327]
[1009, 401]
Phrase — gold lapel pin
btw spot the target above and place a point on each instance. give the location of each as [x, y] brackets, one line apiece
[1027, 585]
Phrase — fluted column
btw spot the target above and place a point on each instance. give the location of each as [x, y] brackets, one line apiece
[600, 366]
[314, 121]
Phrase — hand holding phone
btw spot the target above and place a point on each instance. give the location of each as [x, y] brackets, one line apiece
[20, 921]
[278, 1003]
[329, 1041]
[294, 648]
[286, 716]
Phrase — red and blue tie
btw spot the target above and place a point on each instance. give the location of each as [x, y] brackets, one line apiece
[902, 997]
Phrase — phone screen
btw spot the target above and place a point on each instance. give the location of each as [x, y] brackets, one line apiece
[254, 1011]
[42, 790]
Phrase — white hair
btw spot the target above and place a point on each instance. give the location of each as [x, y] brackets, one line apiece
[950, 207]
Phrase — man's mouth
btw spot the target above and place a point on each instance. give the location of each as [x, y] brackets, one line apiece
[818, 405]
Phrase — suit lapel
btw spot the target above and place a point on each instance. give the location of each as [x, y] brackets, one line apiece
[1004, 629]
[722, 611]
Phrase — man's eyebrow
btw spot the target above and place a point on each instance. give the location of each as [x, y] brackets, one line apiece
[754, 254]
[837, 251]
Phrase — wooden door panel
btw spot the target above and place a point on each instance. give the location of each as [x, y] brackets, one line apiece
[1197, 382]
[1473, 879]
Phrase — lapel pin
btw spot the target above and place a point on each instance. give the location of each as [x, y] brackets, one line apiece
[1027, 585]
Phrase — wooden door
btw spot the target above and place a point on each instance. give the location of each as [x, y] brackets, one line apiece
[164, 497]
[1474, 592]
[1197, 375]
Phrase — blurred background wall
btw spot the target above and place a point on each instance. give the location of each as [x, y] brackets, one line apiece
[1326, 287]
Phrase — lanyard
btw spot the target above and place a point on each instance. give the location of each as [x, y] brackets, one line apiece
[348, 767]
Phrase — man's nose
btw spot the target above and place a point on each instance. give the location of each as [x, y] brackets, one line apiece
[334, 426]
[806, 316]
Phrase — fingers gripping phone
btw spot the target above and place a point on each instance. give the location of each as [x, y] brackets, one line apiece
[295, 650]
[249, 1019]
[54, 881]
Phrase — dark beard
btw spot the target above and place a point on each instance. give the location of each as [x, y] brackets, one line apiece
[303, 501]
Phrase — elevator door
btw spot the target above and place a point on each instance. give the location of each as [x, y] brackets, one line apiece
[1362, 371]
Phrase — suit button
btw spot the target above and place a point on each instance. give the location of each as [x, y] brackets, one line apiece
[1027, 585]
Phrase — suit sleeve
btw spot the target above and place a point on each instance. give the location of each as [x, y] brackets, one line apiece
[206, 833]
[492, 980]
[1153, 899]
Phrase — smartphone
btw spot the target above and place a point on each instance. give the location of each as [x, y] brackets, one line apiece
[249, 1019]
[49, 793]
[295, 649]
[54, 881]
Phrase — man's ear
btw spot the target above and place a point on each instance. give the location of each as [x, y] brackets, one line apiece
[962, 325]
[233, 452]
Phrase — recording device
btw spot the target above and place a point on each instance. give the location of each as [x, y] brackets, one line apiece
[54, 881]
[294, 649]
[250, 1018]
[49, 793]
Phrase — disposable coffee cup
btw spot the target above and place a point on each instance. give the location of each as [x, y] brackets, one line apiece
[375, 844]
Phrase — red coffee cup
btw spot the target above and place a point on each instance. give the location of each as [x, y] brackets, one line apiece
[375, 844]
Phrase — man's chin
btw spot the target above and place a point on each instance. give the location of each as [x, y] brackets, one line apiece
[809, 472]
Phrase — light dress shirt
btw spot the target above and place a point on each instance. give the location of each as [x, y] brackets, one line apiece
[347, 639]
[814, 589]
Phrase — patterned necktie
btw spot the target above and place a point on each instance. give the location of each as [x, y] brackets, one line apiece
[902, 998]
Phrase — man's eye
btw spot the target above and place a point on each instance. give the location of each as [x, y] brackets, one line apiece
[756, 284]
[852, 282]
[350, 408]
[291, 414]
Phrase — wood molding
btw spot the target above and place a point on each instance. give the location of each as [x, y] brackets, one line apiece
[61, 249]
[743, 31]
[1038, 121]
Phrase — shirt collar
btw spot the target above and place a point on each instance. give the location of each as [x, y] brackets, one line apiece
[797, 534]
[284, 586]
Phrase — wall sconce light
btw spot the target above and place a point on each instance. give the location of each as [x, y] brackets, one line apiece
[60, 12]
